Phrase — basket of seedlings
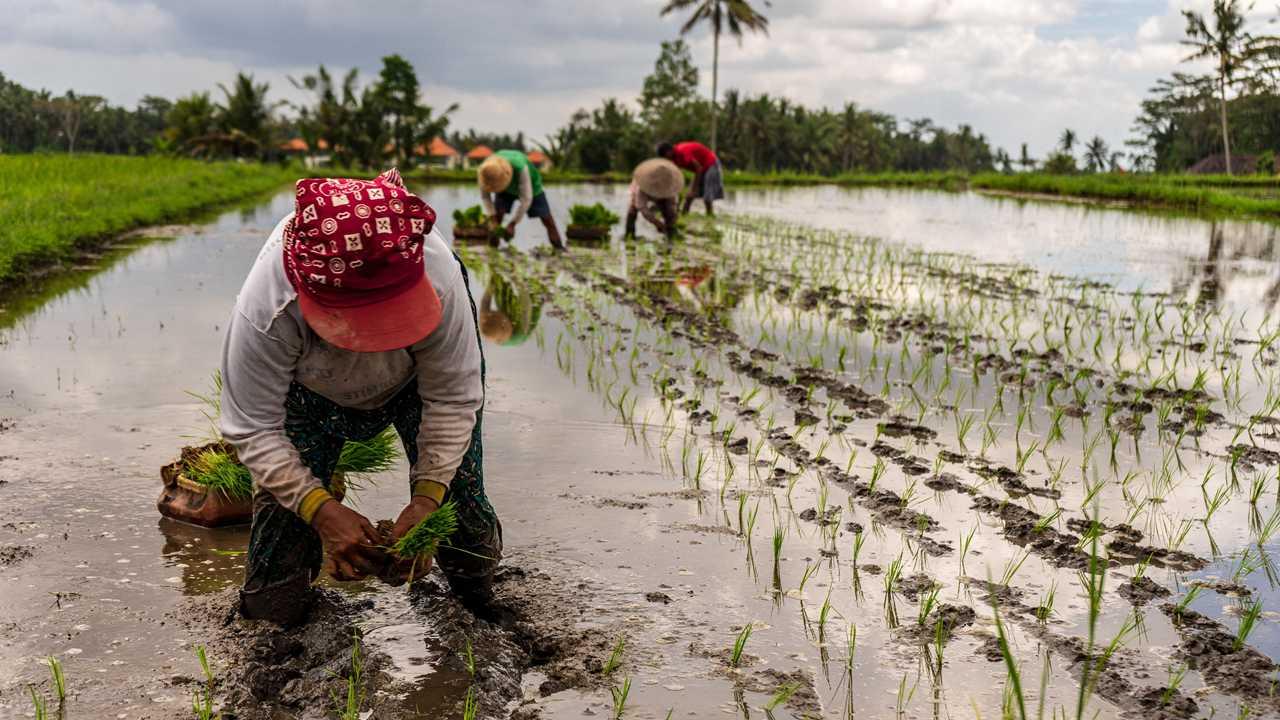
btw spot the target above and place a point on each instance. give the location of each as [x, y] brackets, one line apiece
[590, 223]
[472, 225]
[208, 485]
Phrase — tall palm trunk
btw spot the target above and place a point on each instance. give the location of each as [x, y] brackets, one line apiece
[1226, 140]
[715, 82]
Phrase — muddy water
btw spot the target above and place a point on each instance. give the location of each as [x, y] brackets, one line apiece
[617, 502]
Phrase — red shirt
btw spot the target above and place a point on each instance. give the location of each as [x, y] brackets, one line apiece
[694, 156]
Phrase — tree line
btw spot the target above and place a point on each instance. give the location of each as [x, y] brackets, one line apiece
[1232, 110]
[758, 133]
[383, 120]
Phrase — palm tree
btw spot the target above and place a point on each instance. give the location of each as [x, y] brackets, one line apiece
[1025, 160]
[1095, 154]
[246, 116]
[1227, 44]
[1067, 141]
[733, 15]
[1004, 162]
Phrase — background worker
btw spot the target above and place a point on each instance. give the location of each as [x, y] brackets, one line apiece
[515, 181]
[708, 176]
[355, 317]
[655, 183]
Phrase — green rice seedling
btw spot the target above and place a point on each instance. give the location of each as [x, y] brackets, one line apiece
[1012, 567]
[470, 707]
[1011, 665]
[38, 704]
[215, 469]
[809, 570]
[965, 542]
[469, 659]
[423, 540]
[858, 539]
[1247, 622]
[1094, 582]
[1045, 610]
[739, 644]
[1212, 504]
[59, 680]
[202, 699]
[783, 694]
[1044, 522]
[877, 472]
[823, 615]
[615, 658]
[620, 698]
[1024, 456]
[1176, 674]
[1256, 487]
[367, 457]
[1269, 529]
[927, 604]
[777, 557]
[347, 706]
[891, 576]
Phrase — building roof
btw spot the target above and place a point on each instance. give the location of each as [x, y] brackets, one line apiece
[295, 145]
[479, 152]
[538, 157]
[1216, 164]
[440, 148]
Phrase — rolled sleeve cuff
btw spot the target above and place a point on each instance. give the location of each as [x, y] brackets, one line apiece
[311, 503]
[430, 489]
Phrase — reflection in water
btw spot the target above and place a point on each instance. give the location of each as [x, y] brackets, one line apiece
[1239, 267]
[1131, 249]
[695, 286]
[510, 310]
[210, 558]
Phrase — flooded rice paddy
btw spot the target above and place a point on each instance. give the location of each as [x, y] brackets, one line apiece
[860, 435]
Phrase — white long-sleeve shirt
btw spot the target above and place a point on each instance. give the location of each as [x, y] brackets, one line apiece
[526, 198]
[269, 345]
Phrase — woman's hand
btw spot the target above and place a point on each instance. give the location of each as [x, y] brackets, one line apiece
[397, 572]
[350, 540]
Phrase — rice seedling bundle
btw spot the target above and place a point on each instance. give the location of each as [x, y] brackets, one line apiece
[423, 540]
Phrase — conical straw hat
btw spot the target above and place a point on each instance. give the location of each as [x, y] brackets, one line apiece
[494, 174]
[659, 178]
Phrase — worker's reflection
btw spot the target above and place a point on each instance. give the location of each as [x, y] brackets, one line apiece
[509, 310]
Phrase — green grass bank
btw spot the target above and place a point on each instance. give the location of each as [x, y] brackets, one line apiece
[1255, 196]
[55, 206]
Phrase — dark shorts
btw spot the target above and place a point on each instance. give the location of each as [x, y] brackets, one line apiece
[711, 187]
[538, 207]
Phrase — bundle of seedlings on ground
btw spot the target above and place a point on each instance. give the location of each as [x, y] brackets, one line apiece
[473, 224]
[420, 544]
[590, 222]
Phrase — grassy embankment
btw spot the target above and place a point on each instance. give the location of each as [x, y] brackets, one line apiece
[55, 207]
[1251, 196]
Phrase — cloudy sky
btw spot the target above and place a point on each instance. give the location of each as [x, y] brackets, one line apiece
[1017, 70]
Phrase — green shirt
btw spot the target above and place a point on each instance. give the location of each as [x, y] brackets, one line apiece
[519, 163]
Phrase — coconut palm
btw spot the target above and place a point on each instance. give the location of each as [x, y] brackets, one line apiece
[1096, 154]
[1067, 141]
[1025, 160]
[1228, 45]
[735, 16]
[246, 116]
